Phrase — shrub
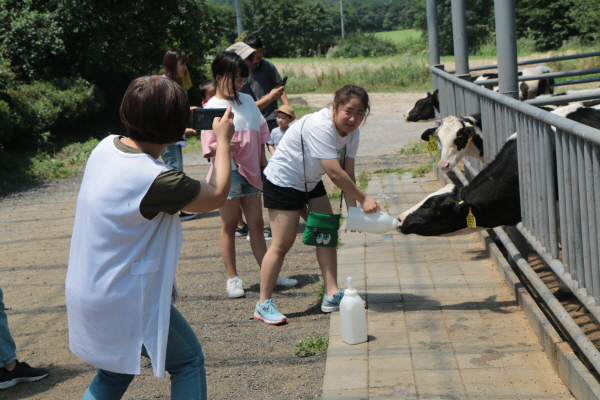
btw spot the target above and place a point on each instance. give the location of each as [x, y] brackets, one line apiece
[29, 111]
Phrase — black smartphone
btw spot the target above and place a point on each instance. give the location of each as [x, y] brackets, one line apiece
[202, 118]
[284, 81]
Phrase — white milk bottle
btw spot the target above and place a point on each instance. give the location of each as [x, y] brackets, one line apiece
[377, 222]
[352, 316]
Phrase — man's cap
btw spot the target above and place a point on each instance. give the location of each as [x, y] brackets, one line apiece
[286, 110]
[241, 49]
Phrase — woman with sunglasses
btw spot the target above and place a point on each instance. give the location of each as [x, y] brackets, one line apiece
[247, 162]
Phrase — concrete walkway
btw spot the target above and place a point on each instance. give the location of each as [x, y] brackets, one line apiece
[442, 323]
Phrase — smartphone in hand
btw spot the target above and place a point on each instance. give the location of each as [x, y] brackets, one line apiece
[202, 118]
[284, 81]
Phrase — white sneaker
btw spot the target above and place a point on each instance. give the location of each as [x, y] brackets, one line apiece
[286, 282]
[235, 287]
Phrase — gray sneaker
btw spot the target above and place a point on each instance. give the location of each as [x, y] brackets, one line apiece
[268, 313]
[331, 303]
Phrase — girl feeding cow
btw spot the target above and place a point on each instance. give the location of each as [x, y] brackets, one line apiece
[325, 142]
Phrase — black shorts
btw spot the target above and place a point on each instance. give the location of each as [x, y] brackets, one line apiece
[286, 198]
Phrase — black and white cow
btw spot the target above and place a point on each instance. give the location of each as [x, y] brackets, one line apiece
[460, 137]
[485, 77]
[579, 112]
[425, 109]
[492, 197]
[533, 89]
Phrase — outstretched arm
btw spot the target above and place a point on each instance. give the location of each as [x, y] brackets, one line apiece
[214, 193]
[341, 179]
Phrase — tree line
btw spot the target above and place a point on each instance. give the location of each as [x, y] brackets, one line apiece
[65, 64]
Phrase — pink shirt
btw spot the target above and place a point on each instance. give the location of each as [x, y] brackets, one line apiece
[250, 129]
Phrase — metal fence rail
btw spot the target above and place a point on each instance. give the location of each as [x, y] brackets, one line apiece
[556, 165]
[536, 61]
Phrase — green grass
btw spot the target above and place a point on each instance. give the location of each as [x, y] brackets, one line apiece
[382, 74]
[399, 36]
[419, 147]
[319, 290]
[311, 346]
[362, 183]
[417, 172]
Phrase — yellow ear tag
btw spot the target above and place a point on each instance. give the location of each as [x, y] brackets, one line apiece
[460, 202]
[470, 143]
[471, 223]
[432, 144]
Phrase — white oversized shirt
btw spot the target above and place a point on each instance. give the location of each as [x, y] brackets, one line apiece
[321, 141]
[121, 265]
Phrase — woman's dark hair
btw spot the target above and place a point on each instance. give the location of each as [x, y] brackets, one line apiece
[227, 64]
[155, 109]
[169, 65]
[343, 96]
[254, 42]
[203, 87]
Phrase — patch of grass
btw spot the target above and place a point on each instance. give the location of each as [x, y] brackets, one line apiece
[398, 171]
[319, 290]
[399, 36]
[336, 195]
[421, 170]
[325, 75]
[417, 172]
[363, 180]
[192, 145]
[68, 161]
[411, 148]
[311, 346]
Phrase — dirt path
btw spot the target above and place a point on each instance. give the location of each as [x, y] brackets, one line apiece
[245, 359]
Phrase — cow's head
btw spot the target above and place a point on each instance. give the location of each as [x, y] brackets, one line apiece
[438, 215]
[446, 189]
[424, 109]
[459, 138]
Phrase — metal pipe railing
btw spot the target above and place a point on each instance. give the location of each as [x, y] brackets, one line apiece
[563, 74]
[537, 61]
[577, 129]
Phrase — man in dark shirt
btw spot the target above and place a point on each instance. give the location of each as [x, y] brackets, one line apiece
[263, 79]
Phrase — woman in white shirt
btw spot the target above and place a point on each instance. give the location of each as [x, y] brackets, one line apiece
[317, 144]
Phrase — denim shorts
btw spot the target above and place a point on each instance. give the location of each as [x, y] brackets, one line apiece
[240, 187]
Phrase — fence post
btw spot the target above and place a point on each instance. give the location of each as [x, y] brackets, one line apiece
[459, 36]
[432, 33]
[506, 47]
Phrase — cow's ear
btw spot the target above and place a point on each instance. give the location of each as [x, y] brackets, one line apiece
[428, 132]
[436, 93]
[470, 131]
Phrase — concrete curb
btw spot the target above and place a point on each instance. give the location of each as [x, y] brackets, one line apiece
[565, 362]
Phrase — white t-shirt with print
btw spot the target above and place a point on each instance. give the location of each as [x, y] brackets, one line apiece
[321, 141]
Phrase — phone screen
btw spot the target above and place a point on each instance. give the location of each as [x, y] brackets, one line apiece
[202, 118]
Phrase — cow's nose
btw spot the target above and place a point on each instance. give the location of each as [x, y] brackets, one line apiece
[444, 165]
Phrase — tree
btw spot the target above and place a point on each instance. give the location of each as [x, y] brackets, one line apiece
[480, 23]
[548, 22]
[91, 38]
[290, 28]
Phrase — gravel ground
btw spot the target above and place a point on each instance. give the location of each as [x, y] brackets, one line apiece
[245, 358]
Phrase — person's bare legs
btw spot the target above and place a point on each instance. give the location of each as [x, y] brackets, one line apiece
[284, 225]
[326, 256]
[252, 207]
[229, 219]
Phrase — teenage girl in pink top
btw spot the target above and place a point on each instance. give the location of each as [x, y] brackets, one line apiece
[247, 162]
